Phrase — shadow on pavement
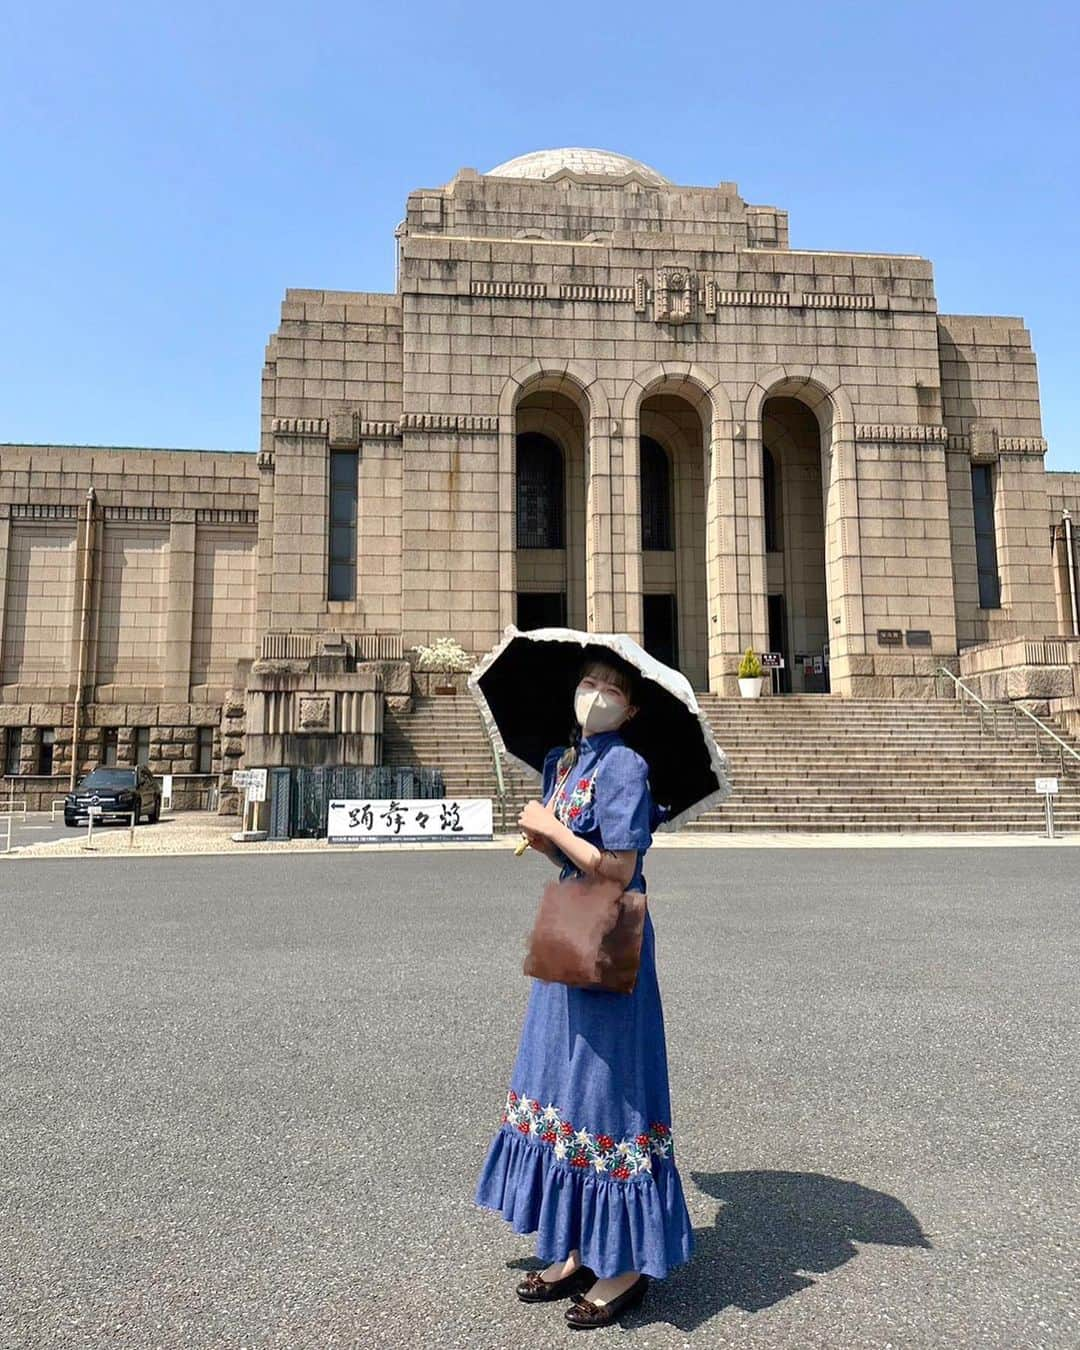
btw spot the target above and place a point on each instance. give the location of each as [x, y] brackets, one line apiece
[773, 1227]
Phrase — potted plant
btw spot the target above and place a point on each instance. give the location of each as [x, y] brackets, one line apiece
[751, 674]
[443, 659]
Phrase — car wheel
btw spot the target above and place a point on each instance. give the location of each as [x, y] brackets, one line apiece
[71, 824]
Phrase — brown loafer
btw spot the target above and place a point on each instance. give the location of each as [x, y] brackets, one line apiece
[583, 1315]
[535, 1289]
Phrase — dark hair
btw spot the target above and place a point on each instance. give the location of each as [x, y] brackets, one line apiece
[599, 656]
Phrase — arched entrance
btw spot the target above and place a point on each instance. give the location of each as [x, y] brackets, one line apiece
[672, 440]
[549, 511]
[793, 504]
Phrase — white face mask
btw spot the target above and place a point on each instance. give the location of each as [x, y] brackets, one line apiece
[597, 711]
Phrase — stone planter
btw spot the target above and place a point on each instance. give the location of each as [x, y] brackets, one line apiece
[751, 688]
[440, 681]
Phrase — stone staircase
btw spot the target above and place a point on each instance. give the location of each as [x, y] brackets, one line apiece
[804, 763]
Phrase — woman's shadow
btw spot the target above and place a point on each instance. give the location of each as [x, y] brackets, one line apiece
[772, 1229]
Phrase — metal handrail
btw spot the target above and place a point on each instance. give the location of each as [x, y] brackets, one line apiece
[1064, 748]
[9, 805]
[500, 783]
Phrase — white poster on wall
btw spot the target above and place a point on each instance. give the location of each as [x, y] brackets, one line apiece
[468, 820]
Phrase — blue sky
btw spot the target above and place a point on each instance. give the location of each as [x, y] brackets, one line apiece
[169, 170]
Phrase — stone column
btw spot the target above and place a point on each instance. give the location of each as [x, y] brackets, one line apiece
[265, 547]
[176, 676]
[600, 587]
[505, 523]
[753, 606]
[721, 561]
[843, 551]
[5, 543]
[1022, 512]
[629, 617]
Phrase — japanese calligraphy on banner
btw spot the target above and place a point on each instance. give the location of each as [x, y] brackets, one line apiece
[409, 822]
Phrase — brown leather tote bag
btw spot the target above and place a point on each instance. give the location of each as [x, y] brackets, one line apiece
[588, 931]
[588, 934]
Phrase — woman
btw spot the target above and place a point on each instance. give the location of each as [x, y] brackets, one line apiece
[584, 1154]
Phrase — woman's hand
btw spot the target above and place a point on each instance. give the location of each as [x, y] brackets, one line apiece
[537, 842]
[535, 820]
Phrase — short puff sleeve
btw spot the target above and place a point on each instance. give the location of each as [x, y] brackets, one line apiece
[624, 806]
[551, 772]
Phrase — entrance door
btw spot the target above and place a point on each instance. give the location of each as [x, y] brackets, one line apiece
[778, 641]
[541, 609]
[661, 635]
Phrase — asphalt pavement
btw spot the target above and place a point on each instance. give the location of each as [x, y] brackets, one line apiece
[244, 1101]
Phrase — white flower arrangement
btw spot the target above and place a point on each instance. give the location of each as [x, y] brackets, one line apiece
[445, 654]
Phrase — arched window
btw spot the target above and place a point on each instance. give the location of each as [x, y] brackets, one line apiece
[540, 510]
[772, 521]
[656, 531]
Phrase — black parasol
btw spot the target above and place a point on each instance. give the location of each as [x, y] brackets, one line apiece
[525, 689]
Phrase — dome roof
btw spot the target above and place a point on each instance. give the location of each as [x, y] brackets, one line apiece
[587, 163]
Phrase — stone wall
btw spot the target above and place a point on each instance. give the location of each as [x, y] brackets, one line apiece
[37, 608]
[170, 603]
[1043, 674]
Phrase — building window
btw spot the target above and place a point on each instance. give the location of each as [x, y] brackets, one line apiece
[982, 497]
[142, 746]
[46, 750]
[204, 751]
[540, 509]
[13, 750]
[661, 629]
[770, 500]
[108, 746]
[541, 609]
[344, 478]
[656, 531]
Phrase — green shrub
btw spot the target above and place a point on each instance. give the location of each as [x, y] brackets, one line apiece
[749, 667]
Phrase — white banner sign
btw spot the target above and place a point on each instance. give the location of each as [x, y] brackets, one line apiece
[1046, 787]
[409, 822]
[253, 781]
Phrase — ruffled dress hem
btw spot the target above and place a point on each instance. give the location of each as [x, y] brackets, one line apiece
[638, 1224]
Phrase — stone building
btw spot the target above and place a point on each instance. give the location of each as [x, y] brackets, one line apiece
[596, 397]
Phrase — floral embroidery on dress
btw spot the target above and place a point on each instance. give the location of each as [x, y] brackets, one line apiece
[569, 804]
[599, 1152]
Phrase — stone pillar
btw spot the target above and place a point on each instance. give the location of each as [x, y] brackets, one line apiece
[753, 605]
[600, 585]
[87, 558]
[294, 596]
[176, 676]
[843, 552]
[265, 547]
[721, 561]
[505, 527]
[5, 542]
[1022, 510]
[629, 617]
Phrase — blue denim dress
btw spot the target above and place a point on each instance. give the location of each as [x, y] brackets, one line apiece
[584, 1154]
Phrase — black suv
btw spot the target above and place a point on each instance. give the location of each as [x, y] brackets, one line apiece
[115, 792]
